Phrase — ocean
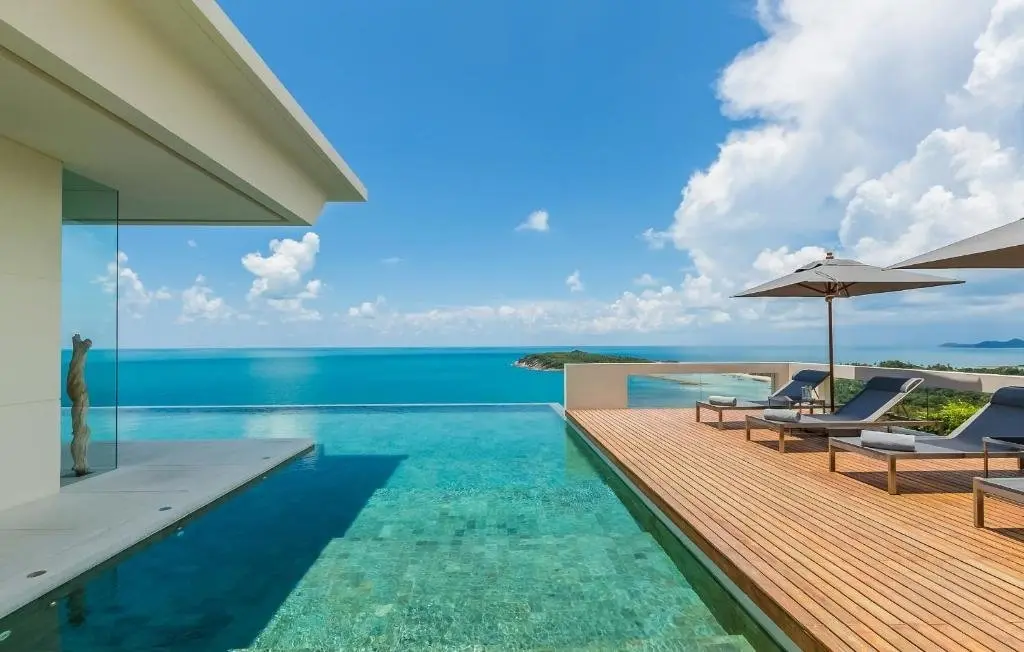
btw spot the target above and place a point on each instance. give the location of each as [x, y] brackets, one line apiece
[311, 376]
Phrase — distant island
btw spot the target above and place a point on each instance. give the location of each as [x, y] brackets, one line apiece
[1015, 343]
[556, 360]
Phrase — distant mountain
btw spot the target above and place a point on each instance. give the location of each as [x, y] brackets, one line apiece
[1015, 343]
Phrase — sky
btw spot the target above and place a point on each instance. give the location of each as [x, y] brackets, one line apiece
[599, 172]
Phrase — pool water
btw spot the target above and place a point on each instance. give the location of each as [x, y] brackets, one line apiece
[440, 528]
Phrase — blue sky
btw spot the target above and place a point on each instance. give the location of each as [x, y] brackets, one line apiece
[463, 118]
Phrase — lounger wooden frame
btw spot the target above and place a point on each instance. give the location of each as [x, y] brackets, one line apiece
[784, 428]
[890, 457]
[720, 409]
[988, 487]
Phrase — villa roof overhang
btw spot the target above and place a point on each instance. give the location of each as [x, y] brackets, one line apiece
[167, 103]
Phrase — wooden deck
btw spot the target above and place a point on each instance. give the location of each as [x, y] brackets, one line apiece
[832, 558]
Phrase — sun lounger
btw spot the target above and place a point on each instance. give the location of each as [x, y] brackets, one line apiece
[1009, 489]
[866, 410]
[790, 395]
[1004, 415]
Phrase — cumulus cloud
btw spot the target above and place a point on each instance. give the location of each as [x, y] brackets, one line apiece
[997, 76]
[652, 310]
[132, 295]
[574, 282]
[199, 302]
[957, 183]
[874, 128]
[281, 282]
[367, 309]
[535, 221]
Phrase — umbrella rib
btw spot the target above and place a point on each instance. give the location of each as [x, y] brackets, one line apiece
[808, 286]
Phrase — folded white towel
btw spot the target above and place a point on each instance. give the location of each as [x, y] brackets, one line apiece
[722, 400]
[792, 416]
[893, 441]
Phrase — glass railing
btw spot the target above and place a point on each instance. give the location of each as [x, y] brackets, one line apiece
[943, 409]
[683, 390]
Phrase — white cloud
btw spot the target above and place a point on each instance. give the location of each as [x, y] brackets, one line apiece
[200, 302]
[293, 308]
[878, 129]
[535, 221]
[770, 263]
[191, 243]
[650, 311]
[280, 281]
[132, 295]
[997, 76]
[393, 260]
[957, 183]
[574, 282]
[848, 182]
[367, 309]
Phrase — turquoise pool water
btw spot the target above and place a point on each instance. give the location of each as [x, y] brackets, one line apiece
[410, 528]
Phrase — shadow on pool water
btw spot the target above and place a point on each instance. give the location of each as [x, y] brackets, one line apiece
[208, 587]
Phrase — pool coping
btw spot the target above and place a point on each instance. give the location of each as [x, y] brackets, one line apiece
[770, 628]
[313, 406]
[157, 485]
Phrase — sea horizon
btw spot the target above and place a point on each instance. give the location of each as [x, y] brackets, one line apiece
[290, 376]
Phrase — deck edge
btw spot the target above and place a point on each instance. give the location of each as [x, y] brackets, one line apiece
[696, 544]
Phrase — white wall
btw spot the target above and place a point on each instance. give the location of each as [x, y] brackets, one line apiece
[604, 386]
[30, 268]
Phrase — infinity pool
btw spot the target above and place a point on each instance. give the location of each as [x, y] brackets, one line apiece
[441, 528]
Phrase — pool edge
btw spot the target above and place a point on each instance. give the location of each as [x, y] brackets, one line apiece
[147, 533]
[771, 629]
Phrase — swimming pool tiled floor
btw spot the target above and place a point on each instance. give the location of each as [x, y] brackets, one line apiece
[492, 570]
[411, 529]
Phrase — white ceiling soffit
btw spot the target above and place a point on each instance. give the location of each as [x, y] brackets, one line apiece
[166, 102]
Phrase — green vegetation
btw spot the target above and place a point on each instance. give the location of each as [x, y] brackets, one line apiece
[949, 406]
[555, 361]
[954, 413]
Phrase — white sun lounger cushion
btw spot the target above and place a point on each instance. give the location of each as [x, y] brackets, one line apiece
[893, 441]
[791, 416]
[722, 400]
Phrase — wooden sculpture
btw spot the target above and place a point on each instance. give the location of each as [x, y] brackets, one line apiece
[79, 395]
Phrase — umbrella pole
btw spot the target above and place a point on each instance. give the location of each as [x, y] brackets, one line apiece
[831, 359]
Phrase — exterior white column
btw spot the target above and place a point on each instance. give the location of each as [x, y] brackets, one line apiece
[30, 292]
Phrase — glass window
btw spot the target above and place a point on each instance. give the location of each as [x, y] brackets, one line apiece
[90, 283]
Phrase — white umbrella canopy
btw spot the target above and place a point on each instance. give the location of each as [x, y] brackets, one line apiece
[832, 278]
[998, 248]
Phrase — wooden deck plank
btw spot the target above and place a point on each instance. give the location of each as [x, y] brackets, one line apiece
[861, 599]
[836, 561]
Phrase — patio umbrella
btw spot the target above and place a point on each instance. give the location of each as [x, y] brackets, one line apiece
[833, 278]
[999, 248]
